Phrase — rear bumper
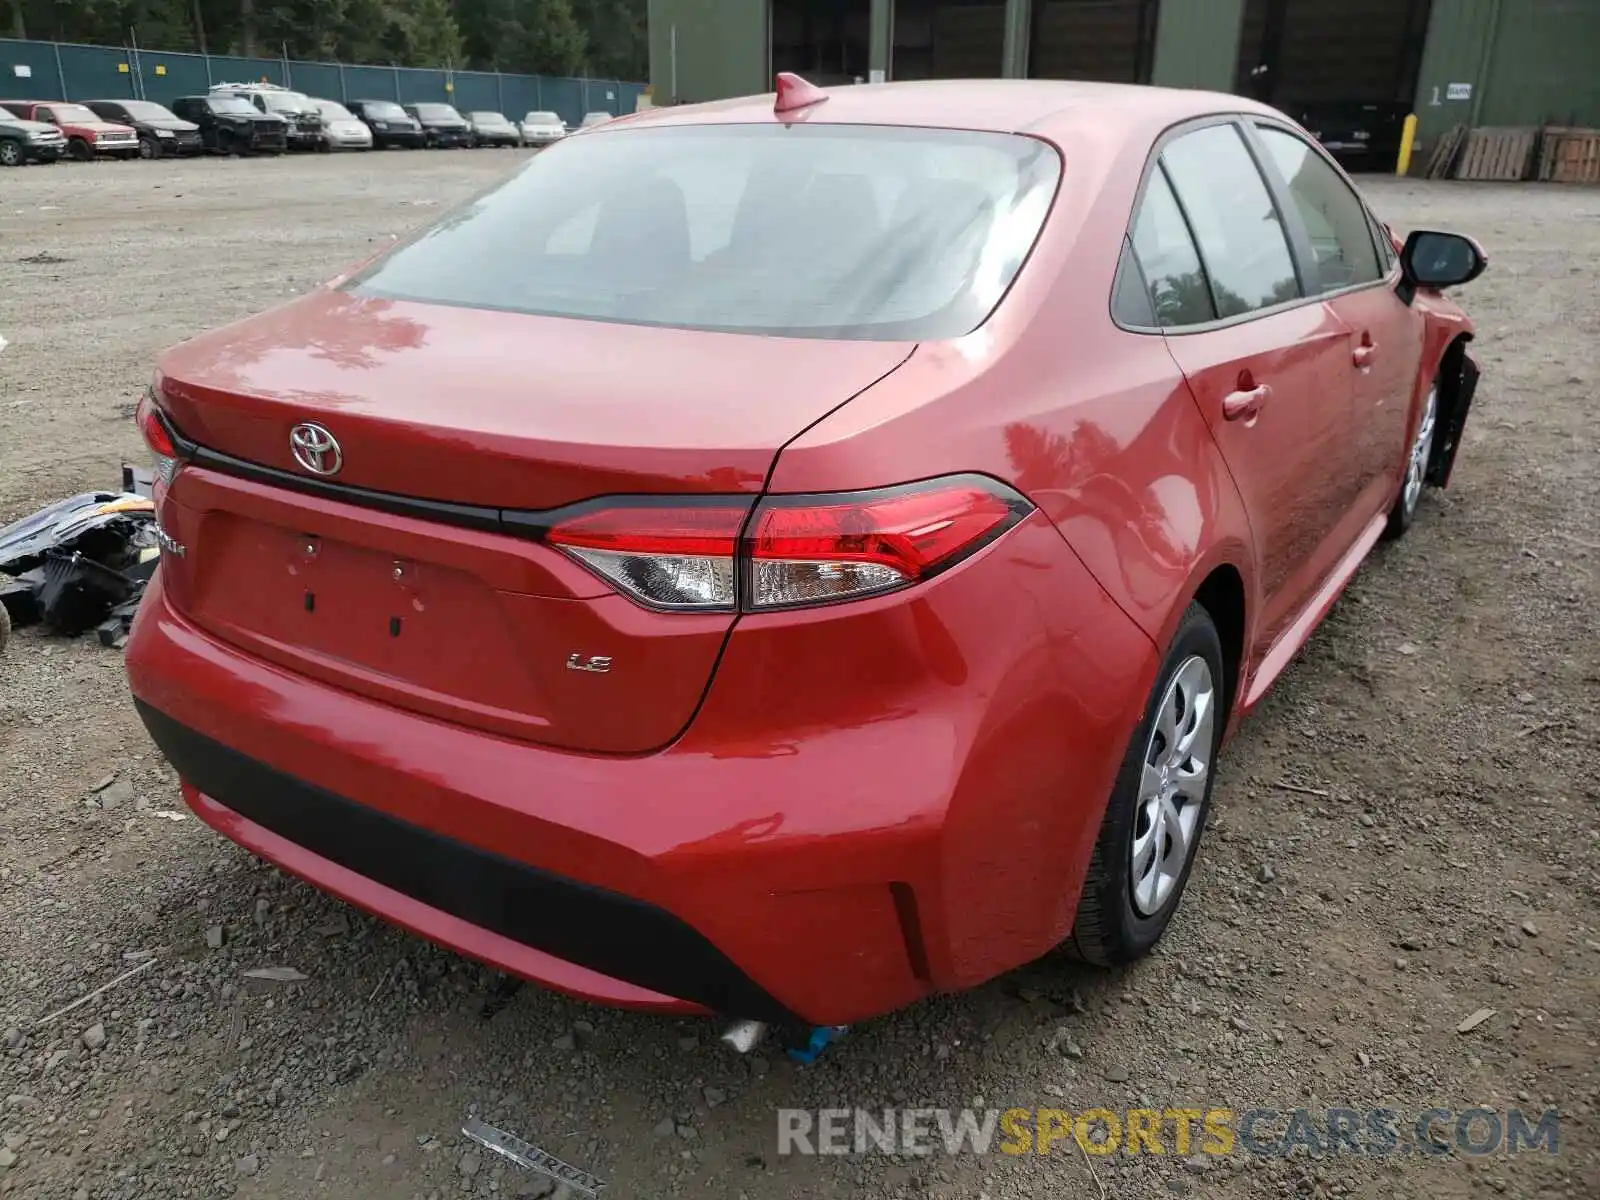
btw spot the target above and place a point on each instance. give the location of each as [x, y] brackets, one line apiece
[819, 846]
[493, 907]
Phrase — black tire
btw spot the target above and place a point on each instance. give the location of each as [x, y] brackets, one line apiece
[5, 628]
[11, 153]
[149, 148]
[80, 150]
[1418, 455]
[1110, 929]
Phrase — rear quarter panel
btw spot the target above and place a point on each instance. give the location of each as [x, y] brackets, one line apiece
[1095, 424]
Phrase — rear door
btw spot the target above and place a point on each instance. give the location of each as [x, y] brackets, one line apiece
[1355, 274]
[1268, 367]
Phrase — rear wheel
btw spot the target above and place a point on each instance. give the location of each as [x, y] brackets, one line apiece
[1159, 805]
[1405, 505]
[10, 153]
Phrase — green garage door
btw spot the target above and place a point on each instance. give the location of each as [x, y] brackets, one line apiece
[1546, 64]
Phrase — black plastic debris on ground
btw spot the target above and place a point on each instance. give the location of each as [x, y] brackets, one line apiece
[82, 563]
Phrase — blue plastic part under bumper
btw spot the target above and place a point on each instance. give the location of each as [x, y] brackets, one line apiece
[822, 1036]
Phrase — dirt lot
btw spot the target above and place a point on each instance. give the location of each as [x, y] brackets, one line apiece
[1441, 853]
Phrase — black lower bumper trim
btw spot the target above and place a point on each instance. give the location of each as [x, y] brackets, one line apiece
[604, 931]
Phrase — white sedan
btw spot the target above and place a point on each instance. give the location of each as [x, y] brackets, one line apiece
[542, 128]
[341, 128]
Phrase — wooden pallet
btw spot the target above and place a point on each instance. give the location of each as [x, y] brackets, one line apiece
[1570, 155]
[1444, 153]
[1503, 155]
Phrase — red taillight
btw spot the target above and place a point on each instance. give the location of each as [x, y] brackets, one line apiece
[798, 550]
[158, 437]
[154, 431]
[667, 555]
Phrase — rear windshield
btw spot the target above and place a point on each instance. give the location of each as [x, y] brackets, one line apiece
[146, 110]
[831, 231]
[289, 102]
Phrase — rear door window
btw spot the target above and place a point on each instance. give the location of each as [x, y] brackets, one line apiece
[1167, 254]
[804, 231]
[1335, 218]
[1242, 242]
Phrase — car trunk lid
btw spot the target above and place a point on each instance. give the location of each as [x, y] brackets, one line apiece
[474, 412]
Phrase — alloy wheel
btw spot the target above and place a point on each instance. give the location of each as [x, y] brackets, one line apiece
[1172, 785]
[1421, 450]
[10, 154]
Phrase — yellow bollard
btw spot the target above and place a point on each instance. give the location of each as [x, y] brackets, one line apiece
[1408, 137]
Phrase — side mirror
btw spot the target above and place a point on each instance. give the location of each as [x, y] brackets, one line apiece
[1439, 260]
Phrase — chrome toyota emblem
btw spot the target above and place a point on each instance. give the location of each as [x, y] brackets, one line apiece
[316, 449]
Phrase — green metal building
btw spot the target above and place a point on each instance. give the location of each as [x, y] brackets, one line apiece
[1362, 62]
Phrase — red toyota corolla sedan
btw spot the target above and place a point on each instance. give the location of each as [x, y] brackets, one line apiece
[786, 557]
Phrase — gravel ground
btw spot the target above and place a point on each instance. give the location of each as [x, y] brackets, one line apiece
[1435, 854]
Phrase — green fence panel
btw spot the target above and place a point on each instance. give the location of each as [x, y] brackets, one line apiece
[420, 86]
[475, 91]
[371, 83]
[564, 97]
[165, 77]
[28, 71]
[315, 79]
[97, 73]
[228, 68]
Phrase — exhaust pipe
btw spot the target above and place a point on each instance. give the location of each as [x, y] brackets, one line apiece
[743, 1035]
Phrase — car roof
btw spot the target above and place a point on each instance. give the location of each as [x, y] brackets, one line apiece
[996, 105]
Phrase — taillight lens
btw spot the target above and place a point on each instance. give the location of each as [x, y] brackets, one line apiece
[158, 438]
[677, 556]
[815, 549]
[795, 550]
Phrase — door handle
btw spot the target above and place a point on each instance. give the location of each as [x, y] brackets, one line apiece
[1364, 354]
[1245, 406]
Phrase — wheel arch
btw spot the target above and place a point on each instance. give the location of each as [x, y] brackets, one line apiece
[1456, 376]
[1222, 594]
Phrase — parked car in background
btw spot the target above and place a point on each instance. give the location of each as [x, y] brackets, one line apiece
[299, 113]
[88, 136]
[391, 125]
[341, 128]
[441, 125]
[232, 125]
[1067, 441]
[24, 141]
[591, 119]
[493, 129]
[161, 132]
[542, 128]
